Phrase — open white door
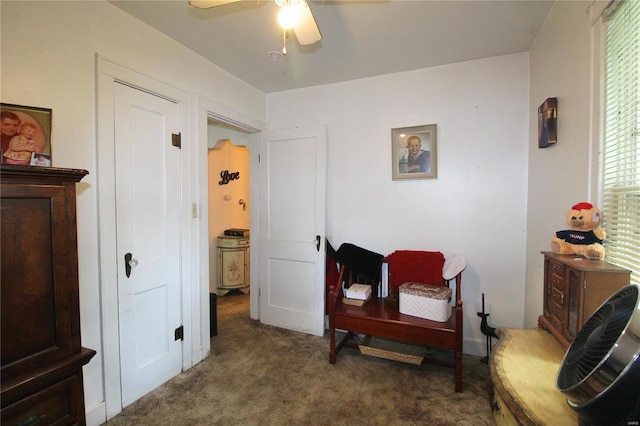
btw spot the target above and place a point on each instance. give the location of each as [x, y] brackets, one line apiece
[292, 228]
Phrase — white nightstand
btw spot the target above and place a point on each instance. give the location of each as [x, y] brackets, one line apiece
[233, 264]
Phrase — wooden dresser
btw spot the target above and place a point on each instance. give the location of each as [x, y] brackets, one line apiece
[574, 288]
[42, 359]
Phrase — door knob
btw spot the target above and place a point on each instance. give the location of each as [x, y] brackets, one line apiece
[129, 262]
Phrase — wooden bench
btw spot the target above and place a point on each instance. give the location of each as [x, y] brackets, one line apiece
[381, 318]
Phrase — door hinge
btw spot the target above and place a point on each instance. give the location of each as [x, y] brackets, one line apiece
[179, 333]
[258, 158]
[176, 140]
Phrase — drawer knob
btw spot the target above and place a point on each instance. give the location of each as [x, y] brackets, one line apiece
[32, 419]
[559, 297]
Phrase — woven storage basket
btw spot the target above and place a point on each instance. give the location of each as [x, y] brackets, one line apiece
[392, 350]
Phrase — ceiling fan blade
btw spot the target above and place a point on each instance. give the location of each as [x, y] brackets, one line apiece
[206, 4]
[306, 29]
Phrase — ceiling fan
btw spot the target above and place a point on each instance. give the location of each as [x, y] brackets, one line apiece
[294, 15]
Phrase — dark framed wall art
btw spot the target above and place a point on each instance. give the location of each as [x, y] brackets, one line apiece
[548, 123]
[414, 152]
[26, 134]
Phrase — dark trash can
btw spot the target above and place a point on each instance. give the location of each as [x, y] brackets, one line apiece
[213, 314]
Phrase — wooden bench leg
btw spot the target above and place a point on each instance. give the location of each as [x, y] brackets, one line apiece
[333, 349]
[458, 373]
[332, 346]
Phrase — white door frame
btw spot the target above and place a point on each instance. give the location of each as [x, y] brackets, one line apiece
[107, 73]
[209, 109]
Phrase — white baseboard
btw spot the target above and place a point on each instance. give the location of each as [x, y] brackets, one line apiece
[96, 415]
[473, 347]
[197, 355]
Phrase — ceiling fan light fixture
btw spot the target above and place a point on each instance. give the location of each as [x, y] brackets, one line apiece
[294, 15]
[288, 16]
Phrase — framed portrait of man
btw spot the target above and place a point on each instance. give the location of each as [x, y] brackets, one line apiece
[25, 130]
[414, 152]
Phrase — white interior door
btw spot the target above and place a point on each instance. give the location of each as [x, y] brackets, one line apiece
[148, 227]
[292, 228]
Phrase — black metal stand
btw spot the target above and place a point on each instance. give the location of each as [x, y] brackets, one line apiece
[487, 330]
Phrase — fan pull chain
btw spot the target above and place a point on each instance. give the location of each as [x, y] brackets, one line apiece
[284, 42]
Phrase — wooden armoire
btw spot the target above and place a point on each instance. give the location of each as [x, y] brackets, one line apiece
[42, 358]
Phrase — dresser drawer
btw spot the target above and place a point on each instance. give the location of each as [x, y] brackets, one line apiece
[557, 311]
[555, 319]
[233, 242]
[557, 281]
[51, 405]
[558, 296]
[556, 267]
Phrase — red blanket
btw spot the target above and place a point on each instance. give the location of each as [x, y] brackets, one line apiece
[417, 266]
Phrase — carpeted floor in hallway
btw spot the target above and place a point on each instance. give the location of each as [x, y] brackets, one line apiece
[262, 375]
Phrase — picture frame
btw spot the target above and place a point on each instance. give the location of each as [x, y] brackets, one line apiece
[548, 123]
[40, 159]
[414, 153]
[30, 130]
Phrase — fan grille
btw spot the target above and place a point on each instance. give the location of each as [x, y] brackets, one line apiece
[596, 339]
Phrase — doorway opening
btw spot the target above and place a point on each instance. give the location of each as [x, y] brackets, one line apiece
[229, 220]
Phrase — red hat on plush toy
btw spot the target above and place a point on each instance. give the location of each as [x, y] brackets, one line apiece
[582, 206]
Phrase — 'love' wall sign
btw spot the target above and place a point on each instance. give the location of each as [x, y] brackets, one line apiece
[227, 177]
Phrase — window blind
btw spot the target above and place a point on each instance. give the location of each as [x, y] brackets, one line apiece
[621, 153]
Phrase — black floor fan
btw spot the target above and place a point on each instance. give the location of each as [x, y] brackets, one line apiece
[600, 373]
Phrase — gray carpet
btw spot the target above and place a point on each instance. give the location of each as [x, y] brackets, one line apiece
[261, 375]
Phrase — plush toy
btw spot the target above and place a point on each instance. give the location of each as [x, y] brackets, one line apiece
[585, 236]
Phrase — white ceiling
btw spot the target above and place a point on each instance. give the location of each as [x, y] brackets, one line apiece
[361, 38]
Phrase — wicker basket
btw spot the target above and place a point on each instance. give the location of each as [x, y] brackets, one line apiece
[392, 350]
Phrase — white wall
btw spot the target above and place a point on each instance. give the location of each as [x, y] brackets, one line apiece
[217, 131]
[561, 175]
[48, 60]
[477, 206]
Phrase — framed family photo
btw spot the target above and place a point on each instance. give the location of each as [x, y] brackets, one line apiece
[414, 152]
[26, 134]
